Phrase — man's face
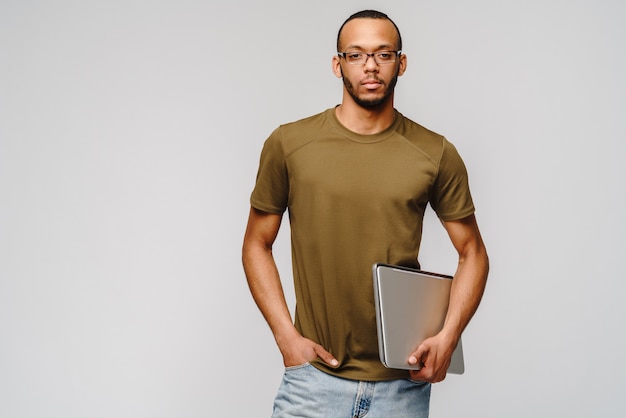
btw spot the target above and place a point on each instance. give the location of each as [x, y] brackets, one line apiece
[371, 84]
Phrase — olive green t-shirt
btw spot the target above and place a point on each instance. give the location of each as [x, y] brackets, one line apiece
[354, 200]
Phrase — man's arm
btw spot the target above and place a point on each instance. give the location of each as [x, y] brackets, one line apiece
[467, 289]
[267, 291]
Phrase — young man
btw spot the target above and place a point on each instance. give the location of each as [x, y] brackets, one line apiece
[325, 170]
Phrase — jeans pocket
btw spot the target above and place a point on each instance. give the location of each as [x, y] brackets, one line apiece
[296, 367]
[416, 382]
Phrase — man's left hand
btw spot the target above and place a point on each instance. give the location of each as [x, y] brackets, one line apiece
[434, 355]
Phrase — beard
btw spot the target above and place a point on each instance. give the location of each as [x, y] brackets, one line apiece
[376, 101]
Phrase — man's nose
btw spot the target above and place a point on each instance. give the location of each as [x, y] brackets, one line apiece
[370, 63]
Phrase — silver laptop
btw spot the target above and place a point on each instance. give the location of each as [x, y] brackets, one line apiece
[411, 305]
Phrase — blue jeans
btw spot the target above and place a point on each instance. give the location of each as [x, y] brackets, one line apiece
[308, 392]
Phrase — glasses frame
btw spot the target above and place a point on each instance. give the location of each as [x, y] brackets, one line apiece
[370, 55]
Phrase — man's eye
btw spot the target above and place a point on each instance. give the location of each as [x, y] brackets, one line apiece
[354, 56]
[383, 55]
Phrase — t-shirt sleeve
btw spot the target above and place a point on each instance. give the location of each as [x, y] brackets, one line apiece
[450, 197]
[271, 191]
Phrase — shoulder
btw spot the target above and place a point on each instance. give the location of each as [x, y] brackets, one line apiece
[425, 140]
[296, 134]
[415, 132]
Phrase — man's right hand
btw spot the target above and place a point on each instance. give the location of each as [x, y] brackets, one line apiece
[300, 350]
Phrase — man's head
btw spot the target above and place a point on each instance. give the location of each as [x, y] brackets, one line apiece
[368, 14]
[369, 59]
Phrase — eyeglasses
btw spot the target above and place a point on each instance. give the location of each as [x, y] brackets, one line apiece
[360, 58]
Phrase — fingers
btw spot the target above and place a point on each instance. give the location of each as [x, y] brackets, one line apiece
[427, 374]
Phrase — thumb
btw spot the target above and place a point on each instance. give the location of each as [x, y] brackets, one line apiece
[326, 356]
[419, 355]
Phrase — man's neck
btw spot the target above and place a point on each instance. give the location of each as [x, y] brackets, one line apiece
[363, 120]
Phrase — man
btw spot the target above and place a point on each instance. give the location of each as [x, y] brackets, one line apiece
[325, 171]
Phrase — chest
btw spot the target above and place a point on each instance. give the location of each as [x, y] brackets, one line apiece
[390, 170]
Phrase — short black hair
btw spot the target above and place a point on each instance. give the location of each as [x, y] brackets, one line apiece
[369, 14]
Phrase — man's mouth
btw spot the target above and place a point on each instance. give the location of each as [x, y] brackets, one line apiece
[371, 84]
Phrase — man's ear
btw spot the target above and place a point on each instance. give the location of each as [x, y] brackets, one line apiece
[403, 64]
[336, 66]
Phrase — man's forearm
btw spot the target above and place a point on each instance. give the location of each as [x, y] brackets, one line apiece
[266, 288]
[467, 289]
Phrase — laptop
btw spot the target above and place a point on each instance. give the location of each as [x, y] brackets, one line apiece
[411, 305]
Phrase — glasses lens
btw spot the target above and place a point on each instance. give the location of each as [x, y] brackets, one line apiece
[385, 57]
[355, 57]
[360, 58]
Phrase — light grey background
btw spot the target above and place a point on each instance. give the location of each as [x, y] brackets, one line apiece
[129, 140]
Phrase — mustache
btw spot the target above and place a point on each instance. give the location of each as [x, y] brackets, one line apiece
[369, 79]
